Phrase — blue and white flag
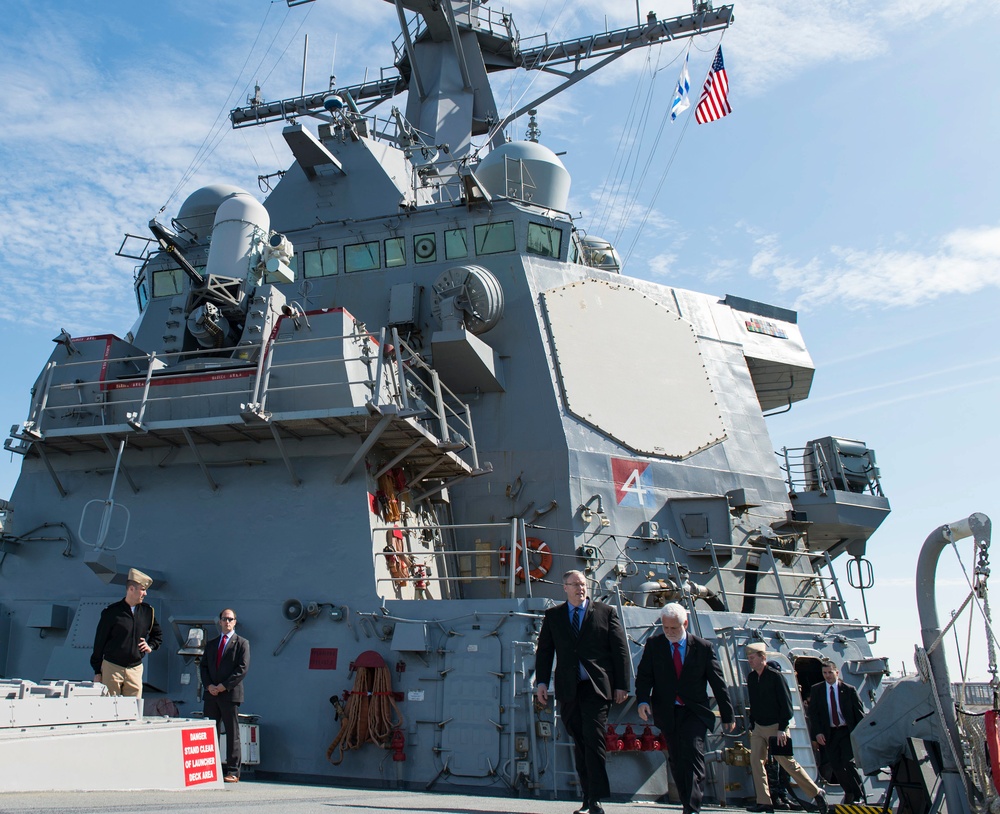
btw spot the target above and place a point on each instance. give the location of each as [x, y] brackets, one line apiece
[681, 101]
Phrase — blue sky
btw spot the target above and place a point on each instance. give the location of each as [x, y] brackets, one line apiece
[855, 182]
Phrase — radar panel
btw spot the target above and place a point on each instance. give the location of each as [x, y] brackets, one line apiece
[632, 369]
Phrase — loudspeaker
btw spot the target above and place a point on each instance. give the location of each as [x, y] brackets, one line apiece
[293, 610]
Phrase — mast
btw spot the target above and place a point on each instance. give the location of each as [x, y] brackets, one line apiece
[448, 48]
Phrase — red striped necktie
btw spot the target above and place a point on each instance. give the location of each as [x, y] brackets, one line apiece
[222, 647]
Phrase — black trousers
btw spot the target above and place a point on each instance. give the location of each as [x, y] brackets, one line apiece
[586, 719]
[840, 755]
[227, 719]
[686, 755]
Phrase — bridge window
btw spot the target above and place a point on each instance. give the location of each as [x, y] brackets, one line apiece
[142, 294]
[456, 244]
[493, 238]
[574, 251]
[395, 253]
[320, 263]
[168, 282]
[544, 240]
[361, 256]
[425, 248]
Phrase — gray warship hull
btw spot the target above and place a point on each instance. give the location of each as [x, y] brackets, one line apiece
[363, 412]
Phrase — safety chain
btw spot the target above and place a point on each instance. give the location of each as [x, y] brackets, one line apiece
[980, 576]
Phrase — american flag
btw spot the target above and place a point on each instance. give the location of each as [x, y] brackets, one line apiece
[714, 102]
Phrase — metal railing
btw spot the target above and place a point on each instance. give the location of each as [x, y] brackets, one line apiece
[447, 545]
[814, 469]
[341, 374]
[806, 594]
[495, 23]
[815, 593]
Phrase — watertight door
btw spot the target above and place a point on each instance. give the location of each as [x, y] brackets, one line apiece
[470, 734]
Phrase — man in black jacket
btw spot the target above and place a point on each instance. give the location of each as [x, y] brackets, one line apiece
[769, 713]
[223, 668]
[834, 710]
[672, 680]
[127, 631]
[591, 673]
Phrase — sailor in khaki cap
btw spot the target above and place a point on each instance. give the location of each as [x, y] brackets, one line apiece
[128, 630]
[769, 714]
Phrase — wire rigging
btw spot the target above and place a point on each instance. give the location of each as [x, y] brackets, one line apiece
[496, 128]
[626, 187]
[663, 176]
[203, 151]
[608, 189]
[220, 128]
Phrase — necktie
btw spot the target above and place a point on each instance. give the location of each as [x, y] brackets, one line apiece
[834, 714]
[576, 620]
[222, 647]
[678, 665]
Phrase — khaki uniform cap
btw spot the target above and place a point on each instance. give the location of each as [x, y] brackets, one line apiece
[757, 647]
[135, 575]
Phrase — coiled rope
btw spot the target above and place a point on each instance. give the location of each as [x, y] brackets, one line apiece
[370, 715]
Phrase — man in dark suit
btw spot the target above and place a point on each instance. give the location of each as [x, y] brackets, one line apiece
[591, 673]
[834, 710]
[223, 668]
[673, 679]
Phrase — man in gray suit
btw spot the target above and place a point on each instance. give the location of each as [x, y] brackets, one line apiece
[223, 668]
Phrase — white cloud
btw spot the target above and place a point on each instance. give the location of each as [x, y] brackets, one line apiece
[964, 261]
[102, 120]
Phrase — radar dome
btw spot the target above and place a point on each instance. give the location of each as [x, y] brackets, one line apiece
[526, 171]
[197, 213]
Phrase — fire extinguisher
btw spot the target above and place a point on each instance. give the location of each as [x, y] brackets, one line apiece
[397, 744]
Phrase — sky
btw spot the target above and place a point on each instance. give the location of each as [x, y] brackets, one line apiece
[855, 181]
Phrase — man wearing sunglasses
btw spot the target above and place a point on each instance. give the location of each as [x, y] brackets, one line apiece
[223, 668]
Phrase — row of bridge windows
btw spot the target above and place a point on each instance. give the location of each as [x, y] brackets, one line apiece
[393, 252]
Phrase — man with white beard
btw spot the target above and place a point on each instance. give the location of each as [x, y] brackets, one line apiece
[672, 680]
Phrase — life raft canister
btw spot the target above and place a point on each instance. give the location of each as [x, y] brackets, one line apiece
[540, 547]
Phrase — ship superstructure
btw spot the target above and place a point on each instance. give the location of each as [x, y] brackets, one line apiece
[381, 413]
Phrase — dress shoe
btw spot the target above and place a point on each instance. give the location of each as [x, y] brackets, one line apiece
[583, 809]
[820, 801]
[230, 778]
[760, 808]
[596, 808]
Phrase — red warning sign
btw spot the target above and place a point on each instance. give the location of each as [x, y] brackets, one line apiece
[200, 759]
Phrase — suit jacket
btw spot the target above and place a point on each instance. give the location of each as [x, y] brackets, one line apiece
[657, 683]
[231, 670]
[819, 707]
[601, 648]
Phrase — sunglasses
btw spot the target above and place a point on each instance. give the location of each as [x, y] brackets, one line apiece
[228, 618]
